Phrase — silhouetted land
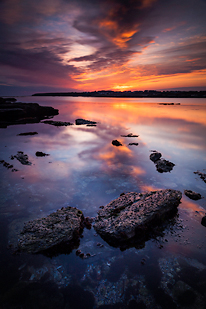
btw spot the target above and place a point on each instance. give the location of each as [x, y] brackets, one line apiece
[130, 94]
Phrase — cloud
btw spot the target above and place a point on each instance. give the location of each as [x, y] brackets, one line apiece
[72, 41]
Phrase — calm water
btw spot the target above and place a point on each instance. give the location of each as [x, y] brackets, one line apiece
[85, 170]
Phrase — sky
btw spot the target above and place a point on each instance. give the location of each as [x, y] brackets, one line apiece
[88, 45]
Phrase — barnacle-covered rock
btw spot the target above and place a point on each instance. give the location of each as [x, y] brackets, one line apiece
[57, 233]
[134, 214]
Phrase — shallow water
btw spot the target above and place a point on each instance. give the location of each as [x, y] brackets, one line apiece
[85, 170]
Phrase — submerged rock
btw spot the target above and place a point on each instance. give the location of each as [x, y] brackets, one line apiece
[12, 112]
[202, 175]
[8, 165]
[84, 121]
[21, 157]
[116, 143]
[134, 214]
[193, 195]
[58, 123]
[57, 233]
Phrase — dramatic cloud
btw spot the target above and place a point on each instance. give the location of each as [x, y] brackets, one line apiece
[96, 44]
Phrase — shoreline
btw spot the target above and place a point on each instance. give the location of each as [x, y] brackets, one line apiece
[129, 94]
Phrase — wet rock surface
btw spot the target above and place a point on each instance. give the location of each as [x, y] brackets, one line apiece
[84, 121]
[162, 165]
[115, 142]
[57, 233]
[12, 112]
[22, 158]
[134, 214]
[192, 195]
[58, 123]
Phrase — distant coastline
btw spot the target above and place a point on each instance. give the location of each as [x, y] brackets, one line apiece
[129, 94]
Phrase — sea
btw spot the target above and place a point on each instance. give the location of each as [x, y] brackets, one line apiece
[83, 169]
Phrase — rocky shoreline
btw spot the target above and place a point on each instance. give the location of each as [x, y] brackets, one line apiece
[12, 112]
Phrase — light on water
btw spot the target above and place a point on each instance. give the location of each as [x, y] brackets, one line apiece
[84, 170]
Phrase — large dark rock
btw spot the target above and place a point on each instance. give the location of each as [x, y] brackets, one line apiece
[192, 195]
[21, 113]
[134, 214]
[57, 233]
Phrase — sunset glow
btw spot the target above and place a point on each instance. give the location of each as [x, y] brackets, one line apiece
[115, 45]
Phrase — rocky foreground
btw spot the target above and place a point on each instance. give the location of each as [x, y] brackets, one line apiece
[134, 214]
[12, 112]
[58, 233]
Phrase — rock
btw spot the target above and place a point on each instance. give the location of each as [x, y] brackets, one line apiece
[193, 195]
[164, 166]
[88, 222]
[169, 103]
[57, 233]
[202, 175]
[155, 156]
[203, 221]
[58, 123]
[6, 164]
[116, 143]
[41, 154]
[134, 214]
[135, 144]
[27, 133]
[130, 135]
[84, 121]
[12, 113]
[21, 157]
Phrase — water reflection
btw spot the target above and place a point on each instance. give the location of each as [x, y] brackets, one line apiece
[85, 170]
